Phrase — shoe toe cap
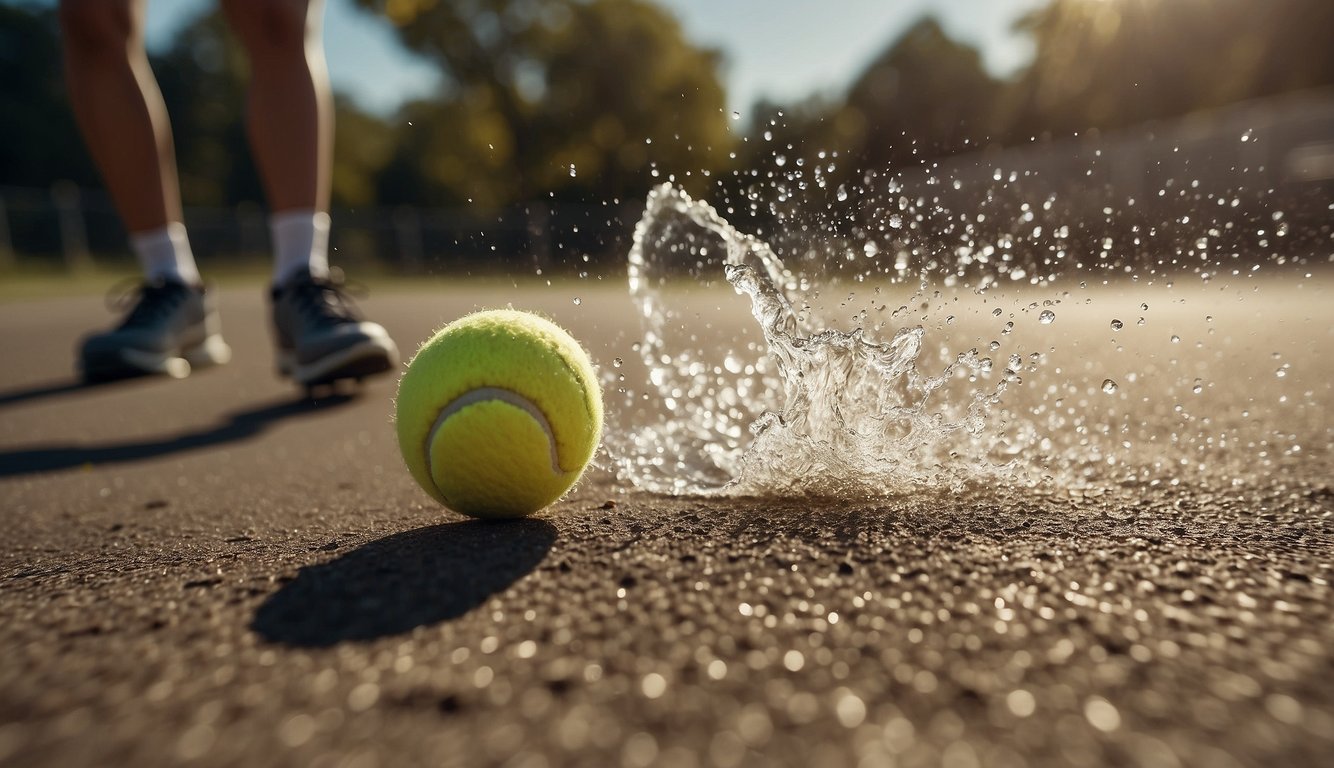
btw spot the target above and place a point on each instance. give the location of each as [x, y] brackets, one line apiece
[314, 346]
[114, 342]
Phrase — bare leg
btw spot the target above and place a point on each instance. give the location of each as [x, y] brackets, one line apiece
[119, 109]
[320, 339]
[290, 106]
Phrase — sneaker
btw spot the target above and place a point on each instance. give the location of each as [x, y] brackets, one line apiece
[321, 337]
[170, 329]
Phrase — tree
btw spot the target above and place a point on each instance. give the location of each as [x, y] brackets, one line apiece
[203, 79]
[1120, 62]
[363, 147]
[926, 96]
[38, 136]
[566, 97]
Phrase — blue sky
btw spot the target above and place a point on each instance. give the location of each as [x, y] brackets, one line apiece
[780, 49]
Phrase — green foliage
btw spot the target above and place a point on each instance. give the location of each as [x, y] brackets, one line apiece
[203, 81]
[927, 95]
[1120, 62]
[39, 141]
[567, 98]
[202, 77]
[599, 99]
[1104, 64]
[363, 146]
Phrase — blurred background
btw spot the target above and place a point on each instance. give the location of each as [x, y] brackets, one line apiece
[478, 135]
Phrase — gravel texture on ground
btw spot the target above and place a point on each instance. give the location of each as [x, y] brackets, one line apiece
[215, 572]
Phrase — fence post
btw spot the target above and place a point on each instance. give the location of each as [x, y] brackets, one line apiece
[408, 229]
[7, 258]
[254, 235]
[73, 234]
[539, 233]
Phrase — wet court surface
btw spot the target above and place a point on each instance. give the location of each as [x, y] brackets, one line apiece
[214, 572]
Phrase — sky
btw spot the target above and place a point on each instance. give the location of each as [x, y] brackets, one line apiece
[782, 50]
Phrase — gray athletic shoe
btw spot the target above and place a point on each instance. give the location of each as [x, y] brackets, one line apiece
[170, 329]
[321, 337]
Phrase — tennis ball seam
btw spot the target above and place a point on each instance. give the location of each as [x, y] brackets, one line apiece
[591, 407]
[571, 367]
[507, 396]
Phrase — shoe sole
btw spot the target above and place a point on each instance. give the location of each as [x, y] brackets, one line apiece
[366, 358]
[176, 364]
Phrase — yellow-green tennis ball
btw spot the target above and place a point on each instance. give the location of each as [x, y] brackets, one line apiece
[498, 414]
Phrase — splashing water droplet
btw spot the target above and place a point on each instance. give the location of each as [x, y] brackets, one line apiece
[799, 411]
[862, 360]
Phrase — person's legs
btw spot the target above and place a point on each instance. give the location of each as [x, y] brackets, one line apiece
[124, 123]
[290, 123]
[172, 324]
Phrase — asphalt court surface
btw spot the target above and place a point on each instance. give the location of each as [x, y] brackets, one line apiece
[215, 571]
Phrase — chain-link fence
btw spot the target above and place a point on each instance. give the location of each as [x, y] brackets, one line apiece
[73, 226]
[1256, 179]
[1235, 174]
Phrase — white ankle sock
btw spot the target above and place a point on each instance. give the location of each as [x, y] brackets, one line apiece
[165, 253]
[300, 241]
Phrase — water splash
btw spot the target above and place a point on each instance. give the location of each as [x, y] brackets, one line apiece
[798, 411]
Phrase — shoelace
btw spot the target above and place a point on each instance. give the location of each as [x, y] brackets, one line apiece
[146, 301]
[326, 299]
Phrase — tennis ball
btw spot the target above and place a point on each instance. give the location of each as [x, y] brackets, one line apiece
[498, 414]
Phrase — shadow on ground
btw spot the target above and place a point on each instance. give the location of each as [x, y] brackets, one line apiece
[238, 426]
[57, 388]
[401, 582]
